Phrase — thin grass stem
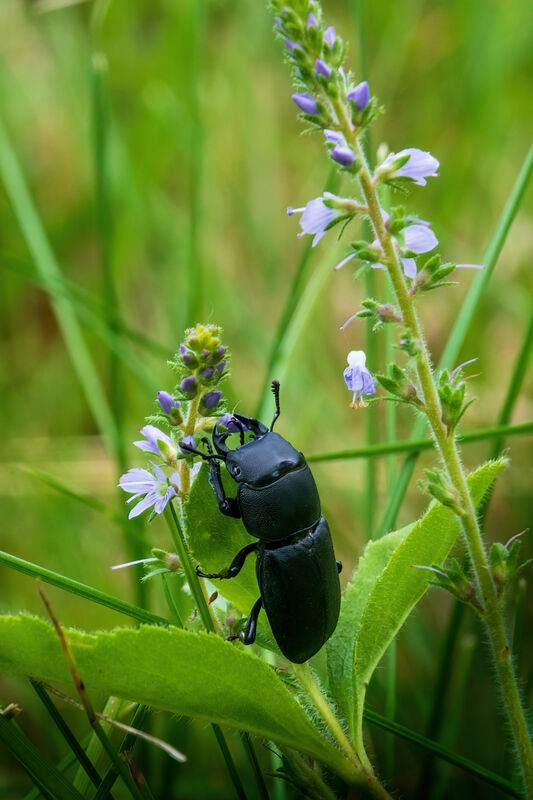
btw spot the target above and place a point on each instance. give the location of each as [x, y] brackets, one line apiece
[78, 751]
[443, 752]
[414, 447]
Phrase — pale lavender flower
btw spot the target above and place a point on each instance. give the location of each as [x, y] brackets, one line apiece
[305, 102]
[311, 21]
[330, 36]
[155, 489]
[292, 45]
[344, 261]
[358, 378]
[417, 238]
[334, 136]
[156, 442]
[418, 165]
[360, 95]
[316, 216]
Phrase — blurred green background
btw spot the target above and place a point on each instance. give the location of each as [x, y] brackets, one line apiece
[161, 148]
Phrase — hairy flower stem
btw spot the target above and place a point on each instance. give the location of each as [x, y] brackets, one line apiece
[192, 579]
[446, 444]
[363, 773]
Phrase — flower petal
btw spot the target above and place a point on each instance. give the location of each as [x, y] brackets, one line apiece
[419, 238]
[409, 267]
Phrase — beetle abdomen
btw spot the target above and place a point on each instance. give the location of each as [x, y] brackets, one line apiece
[301, 592]
[289, 505]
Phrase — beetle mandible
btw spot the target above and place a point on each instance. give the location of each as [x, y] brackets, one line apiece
[278, 502]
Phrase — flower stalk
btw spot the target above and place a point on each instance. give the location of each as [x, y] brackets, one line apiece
[343, 112]
[447, 447]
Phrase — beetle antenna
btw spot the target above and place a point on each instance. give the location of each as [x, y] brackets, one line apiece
[275, 392]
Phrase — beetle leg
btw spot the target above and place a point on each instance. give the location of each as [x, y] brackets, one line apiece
[247, 636]
[227, 505]
[235, 567]
[339, 566]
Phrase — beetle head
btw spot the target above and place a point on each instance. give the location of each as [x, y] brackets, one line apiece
[263, 460]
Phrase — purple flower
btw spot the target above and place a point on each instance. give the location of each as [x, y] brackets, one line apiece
[412, 163]
[156, 442]
[329, 36]
[343, 155]
[188, 385]
[156, 488]
[189, 442]
[417, 238]
[229, 422]
[211, 399]
[334, 136]
[317, 216]
[167, 402]
[322, 68]
[311, 21]
[292, 45]
[357, 378]
[360, 95]
[306, 102]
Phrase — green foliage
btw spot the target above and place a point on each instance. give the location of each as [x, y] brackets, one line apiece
[214, 539]
[383, 591]
[199, 675]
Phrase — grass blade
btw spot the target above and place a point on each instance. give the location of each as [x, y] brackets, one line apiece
[81, 590]
[48, 268]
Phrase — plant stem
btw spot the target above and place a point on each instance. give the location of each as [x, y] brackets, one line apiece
[446, 444]
[363, 772]
[178, 538]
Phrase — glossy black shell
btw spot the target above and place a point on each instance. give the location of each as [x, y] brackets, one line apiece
[301, 592]
[277, 493]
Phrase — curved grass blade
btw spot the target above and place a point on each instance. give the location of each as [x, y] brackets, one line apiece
[48, 267]
[485, 775]
[81, 589]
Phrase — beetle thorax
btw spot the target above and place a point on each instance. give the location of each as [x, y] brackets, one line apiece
[264, 460]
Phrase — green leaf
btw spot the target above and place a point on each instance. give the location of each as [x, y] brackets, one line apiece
[196, 674]
[383, 591]
[340, 648]
[214, 540]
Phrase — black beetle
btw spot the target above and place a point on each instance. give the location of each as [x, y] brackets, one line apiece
[278, 502]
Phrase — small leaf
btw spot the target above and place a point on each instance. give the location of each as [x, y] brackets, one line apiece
[382, 593]
[199, 675]
[214, 540]
[340, 647]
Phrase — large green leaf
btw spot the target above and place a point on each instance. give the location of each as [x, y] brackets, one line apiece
[382, 593]
[215, 539]
[199, 675]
